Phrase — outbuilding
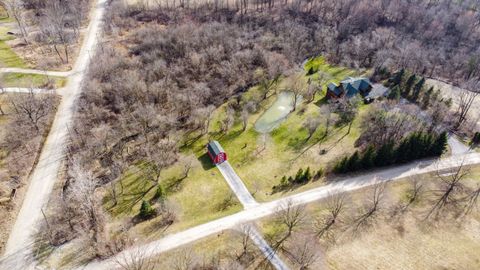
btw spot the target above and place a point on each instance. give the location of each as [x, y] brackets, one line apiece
[216, 152]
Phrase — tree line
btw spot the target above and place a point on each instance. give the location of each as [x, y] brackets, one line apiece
[415, 146]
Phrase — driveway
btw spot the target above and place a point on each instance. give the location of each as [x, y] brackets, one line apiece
[262, 210]
[236, 185]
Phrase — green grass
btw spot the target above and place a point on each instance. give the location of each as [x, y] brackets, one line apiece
[8, 58]
[32, 80]
[259, 160]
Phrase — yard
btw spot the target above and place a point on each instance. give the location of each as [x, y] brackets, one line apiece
[404, 242]
[260, 160]
[32, 80]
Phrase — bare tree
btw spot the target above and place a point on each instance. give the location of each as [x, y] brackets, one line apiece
[467, 97]
[414, 194]
[328, 222]
[471, 200]
[311, 125]
[245, 115]
[54, 27]
[137, 259]
[449, 191]
[184, 260]
[304, 251]
[15, 9]
[297, 88]
[291, 217]
[372, 207]
[33, 108]
[228, 121]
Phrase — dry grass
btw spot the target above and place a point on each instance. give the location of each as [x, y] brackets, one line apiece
[403, 242]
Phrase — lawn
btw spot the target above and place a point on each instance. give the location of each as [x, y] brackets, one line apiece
[260, 160]
[8, 58]
[32, 80]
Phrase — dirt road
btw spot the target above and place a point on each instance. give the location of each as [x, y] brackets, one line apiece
[21, 240]
[265, 209]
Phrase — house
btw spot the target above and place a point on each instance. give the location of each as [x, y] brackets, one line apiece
[378, 90]
[216, 152]
[349, 87]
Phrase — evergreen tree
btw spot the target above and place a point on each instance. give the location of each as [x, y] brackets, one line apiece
[341, 166]
[394, 93]
[402, 153]
[146, 210]
[397, 78]
[299, 176]
[476, 138]
[307, 175]
[385, 155]
[284, 181]
[440, 144]
[418, 89]
[353, 162]
[408, 86]
[291, 180]
[159, 193]
[368, 158]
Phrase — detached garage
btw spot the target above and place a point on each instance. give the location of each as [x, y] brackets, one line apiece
[216, 152]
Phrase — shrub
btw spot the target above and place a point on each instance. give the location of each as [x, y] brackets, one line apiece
[146, 210]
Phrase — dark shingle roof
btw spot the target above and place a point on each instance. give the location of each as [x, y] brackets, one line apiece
[215, 148]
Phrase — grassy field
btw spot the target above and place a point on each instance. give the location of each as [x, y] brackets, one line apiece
[8, 58]
[260, 161]
[405, 242]
[32, 80]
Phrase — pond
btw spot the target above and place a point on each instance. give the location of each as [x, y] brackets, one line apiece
[275, 115]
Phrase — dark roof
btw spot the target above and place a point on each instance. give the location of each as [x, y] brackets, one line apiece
[353, 86]
[215, 148]
[335, 89]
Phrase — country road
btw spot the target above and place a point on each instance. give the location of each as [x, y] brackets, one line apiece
[236, 185]
[262, 210]
[264, 247]
[44, 176]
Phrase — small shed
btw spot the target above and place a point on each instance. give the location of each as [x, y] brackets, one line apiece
[216, 152]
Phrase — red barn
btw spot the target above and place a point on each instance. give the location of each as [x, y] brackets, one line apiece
[216, 152]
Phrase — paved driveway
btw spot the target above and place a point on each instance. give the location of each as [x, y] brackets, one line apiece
[236, 185]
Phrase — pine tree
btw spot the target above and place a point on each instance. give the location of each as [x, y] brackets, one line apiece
[394, 93]
[440, 144]
[385, 155]
[307, 175]
[341, 166]
[284, 181]
[476, 138]
[368, 158]
[159, 193]
[146, 210]
[353, 162]
[402, 153]
[397, 78]
[418, 89]
[299, 176]
[408, 86]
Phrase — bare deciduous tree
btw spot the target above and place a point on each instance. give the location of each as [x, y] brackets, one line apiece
[329, 221]
[311, 125]
[371, 208]
[137, 259]
[467, 97]
[449, 191]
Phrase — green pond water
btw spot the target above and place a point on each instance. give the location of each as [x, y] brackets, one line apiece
[276, 114]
